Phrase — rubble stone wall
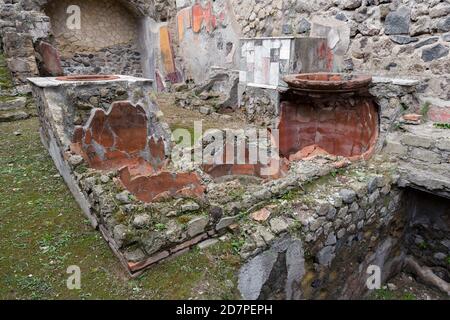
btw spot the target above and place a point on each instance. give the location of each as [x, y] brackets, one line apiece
[387, 37]
[103, 24]
[23, 24]
[342, 231]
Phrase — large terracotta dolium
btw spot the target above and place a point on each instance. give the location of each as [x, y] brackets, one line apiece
[325, 113]
[118, 140]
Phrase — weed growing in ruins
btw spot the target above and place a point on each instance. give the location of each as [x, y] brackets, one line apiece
[237, 245]
[409, 296]
[37, 286]
[160, 227]
[442, 125]
[423, 245]
[425, 108]
[383, 294]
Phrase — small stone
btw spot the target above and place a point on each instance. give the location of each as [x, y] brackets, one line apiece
[141, 221]
[342, 212]
[444, 25]
[391, 286]
[426, 42]
[374, 197]
[216, 213]
[341, 233]
[104, 179]
[224, 238]
[337, 201]
[225, 223]
[265, 234]
[205, 110]
[422, 26]
[351, 229]
[208, 243]
[341, 16]
[287, 29]
[446, 37]
[13, 103]
[398, 22]
[261, 215]
[17, 133]
[360, 225]
[331, 214]
[124, 197]
[331, 240]
[326, 256]
[304, 26]
[350, 4]
[395, 148]
[120, 233]
[353, 208]
[403, 39]
[425, 156]
[373, 184]
[278, 225]
[440, 256]
[75, 160]
[443, 145]
[441, 10]
[446, 243]
[136, 255]
[348, 196]
[190, 206]
[323, 207]
[315, 225]
[178, 87]
[417, 141]
[197, 226]
[413, 117]
[435, 52]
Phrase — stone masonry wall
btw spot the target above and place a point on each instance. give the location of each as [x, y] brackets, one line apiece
[23, 24]
[337, 228]
[120, 59]
[387, 37]
[103, 24]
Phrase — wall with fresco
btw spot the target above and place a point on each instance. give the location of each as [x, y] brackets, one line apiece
[207, 35]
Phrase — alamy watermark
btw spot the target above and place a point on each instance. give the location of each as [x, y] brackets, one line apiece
[73, 21]
[74, 280]
[374, 280]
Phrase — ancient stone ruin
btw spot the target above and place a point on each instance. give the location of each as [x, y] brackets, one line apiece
[329, 154]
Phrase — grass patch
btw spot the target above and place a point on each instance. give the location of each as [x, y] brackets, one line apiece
[425, 109]
[383, 294]
[5, 76]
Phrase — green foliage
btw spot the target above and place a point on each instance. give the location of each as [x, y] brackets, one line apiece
[237, 245]
[383, 294]
[442, 125]
[409, 296]
[5, 76]
[423, 245]
[160, 227]
[425, 108]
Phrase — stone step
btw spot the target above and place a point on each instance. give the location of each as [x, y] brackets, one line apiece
[12, 103]
[6, 116]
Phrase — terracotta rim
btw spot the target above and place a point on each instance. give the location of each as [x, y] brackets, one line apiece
[327, 82]
[93, 77]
